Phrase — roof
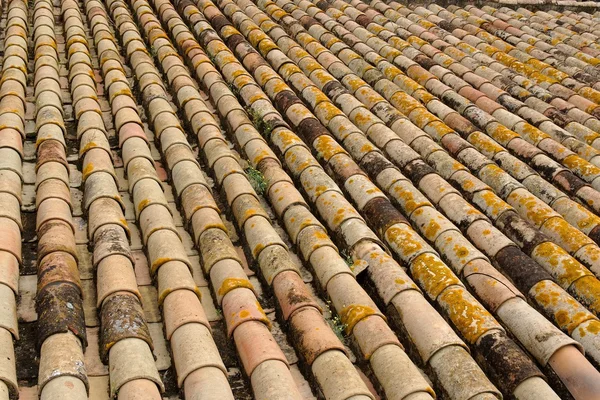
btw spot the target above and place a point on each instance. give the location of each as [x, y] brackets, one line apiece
[299, 199]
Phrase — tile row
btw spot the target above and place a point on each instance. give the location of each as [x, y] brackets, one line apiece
[326, 355]
[302, 88]
[358, 312]
[12, 135]
[475, 189]
[61, 336]
[187, 329]
[125, 341]
[438, 229]
[519, 195]
[436, 170]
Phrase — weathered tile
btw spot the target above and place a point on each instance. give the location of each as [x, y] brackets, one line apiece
[136, 239]
[28, 393]
[176, 215]
[161, 351]
[80, 230]
[26, 304]
[142, 269]
[74, 176]
[93, 364]
[76, 199]
[209, 306]
[89, 302]
[302, 383]
[86, 268]
[188, 243]
[197, 272]
[99, 388]
[150, 303]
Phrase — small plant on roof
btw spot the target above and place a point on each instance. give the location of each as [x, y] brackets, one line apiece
[336, 324]
[257, 180]
[234, 90]
[264, 127]
[338, 327]
[347, 258]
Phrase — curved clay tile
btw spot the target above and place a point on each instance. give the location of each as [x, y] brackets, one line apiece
[416, 188]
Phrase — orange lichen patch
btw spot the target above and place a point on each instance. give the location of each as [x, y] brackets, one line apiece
[321, 76]
[89, 168]
[537, 64]
[461, 252]
[432, 274]
[426, 24]
[255, 36]
[328, 111]
[362, 118]
[538, 76]
[354, 313]
[591, 328]
[279, 14]
[566, 311]
[407, 198]
[467, 48]
[562, 266]
[143, 204]
[416, 40]
[581, 167]
[242, 79]
[500, 133]
[489, 50]
[447, 62]
[327, 147]
[265, 46]
[310, 65]
[377, 29]
[331, 42]
[234, 283]
[590, 94]
[432, 229]
[439, 129]
[422, 117]
[556, 74]
[256, 97]
[565, 235]
[288, 138]
[342, 214]
[354, 83]
[494, 204]
[370, 97]
[531, 133]
[589, 221]
[484, 143]
[520, 68]
[423, 95]
[587, 291]
[404, 239]
[486, 36]
[536, 211]
[404, 102]
[399, 44]
[468, 316]
[455, 53]
[504, 58]
[587, 58]
[390, 71]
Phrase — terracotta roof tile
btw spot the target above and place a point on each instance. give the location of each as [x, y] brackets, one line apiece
[296, 199]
